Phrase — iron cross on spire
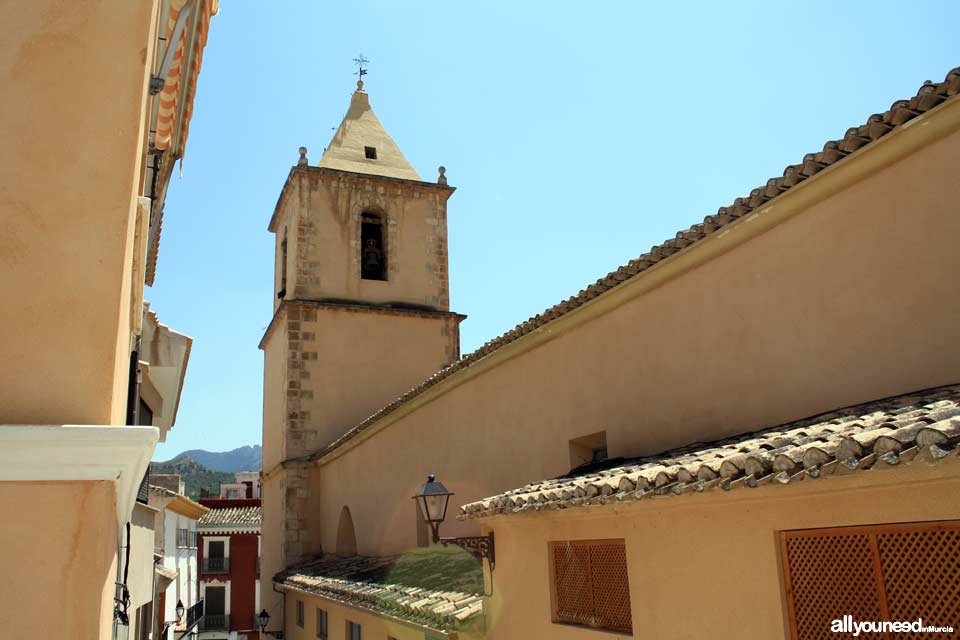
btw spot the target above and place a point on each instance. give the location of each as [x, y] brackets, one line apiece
[361, 63]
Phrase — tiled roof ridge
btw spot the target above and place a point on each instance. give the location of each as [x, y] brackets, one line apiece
[241, 516]
[877, 125]
[922, 426]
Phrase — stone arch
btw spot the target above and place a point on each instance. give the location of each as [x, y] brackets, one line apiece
[346, 535]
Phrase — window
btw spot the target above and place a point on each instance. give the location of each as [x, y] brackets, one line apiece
[215, 608]
[353, 630]
[588, 449]
[283, 266]
[882, 572]
[373, 255]
[590, 585]
[370, 153]
[144, 621]
[145, 415]
[322, 622]
[300, 613]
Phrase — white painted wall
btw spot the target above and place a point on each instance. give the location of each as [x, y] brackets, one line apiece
[181, 560]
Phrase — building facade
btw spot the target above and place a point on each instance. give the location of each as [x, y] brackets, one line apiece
[115, 82]
[229, 545]
[778, 341]
[177, 567]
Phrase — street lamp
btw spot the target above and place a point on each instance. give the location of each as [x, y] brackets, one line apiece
[179, 610]
[432, 498]
[263, 619]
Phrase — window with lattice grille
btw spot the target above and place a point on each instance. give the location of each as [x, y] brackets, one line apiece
[896, 572]
[590, 585]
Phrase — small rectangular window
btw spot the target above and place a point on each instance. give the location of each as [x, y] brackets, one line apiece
[590, 585]
[370, 152]
[353, 631]
[322, 624]
[587, 450]
[300, 613]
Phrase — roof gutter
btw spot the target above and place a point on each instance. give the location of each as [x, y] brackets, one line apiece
[872, 158]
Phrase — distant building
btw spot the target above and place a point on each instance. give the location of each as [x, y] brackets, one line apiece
[247, 486]
[229, 555]
[176, 542]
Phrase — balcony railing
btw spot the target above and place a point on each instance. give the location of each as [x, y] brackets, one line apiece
[215, 622]
[194, 615]
[186, 539]
[216, 565]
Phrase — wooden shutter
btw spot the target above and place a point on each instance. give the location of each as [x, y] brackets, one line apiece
[590, 585]
[895, 572]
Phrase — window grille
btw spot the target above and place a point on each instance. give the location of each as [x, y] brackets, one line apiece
[895, 572]
[590, 584]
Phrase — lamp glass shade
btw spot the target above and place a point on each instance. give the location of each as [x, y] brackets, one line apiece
[433, 498]
[179, 609]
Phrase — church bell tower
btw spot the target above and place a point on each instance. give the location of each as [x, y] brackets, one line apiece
[361, 309]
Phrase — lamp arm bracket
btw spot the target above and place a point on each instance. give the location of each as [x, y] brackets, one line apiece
[480, 546]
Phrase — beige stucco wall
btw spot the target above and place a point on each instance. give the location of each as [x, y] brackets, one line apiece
[372, 625]
[350, 362]
[321, 212]
[58, 552]
[69, 179]
[704, 565]
[846, 302]
[142, 543]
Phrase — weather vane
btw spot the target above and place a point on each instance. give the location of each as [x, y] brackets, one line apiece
[361, 63]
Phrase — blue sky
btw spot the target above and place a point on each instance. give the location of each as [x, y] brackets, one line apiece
[577, 135]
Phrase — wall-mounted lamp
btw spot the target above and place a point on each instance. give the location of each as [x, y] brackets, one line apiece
[179, 610]
[433, 498]
[263, 619]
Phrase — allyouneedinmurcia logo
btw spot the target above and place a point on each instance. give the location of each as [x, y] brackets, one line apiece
[847, 624]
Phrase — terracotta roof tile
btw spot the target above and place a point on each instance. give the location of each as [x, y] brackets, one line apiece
[247, 516]
[436, 588]
[922, 426]
[878, 125]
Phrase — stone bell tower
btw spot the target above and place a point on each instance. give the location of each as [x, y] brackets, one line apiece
[361, 309]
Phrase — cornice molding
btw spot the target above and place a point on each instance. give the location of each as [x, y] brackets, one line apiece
[359, 181]
[347, 305]
[74, 453]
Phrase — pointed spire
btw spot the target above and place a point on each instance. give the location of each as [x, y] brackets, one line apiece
[362, 145]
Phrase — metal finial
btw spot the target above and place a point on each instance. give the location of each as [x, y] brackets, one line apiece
[443, 178]
[302, 162]
[361, 63]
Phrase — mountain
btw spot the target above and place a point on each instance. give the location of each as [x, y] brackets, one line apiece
[195, 476]
[241, 459]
